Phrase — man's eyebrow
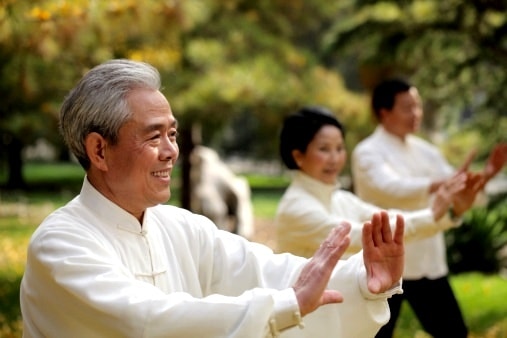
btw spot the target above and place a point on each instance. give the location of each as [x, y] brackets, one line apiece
[158, 126]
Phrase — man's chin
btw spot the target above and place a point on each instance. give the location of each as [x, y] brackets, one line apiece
[163, 198]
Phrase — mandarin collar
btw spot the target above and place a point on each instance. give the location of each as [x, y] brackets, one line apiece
[322, 191]
[112, 214]
[390, 138]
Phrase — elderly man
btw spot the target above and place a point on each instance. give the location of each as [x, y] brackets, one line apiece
[117, 262]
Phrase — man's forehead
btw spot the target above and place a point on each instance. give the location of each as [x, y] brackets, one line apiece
[158, 122]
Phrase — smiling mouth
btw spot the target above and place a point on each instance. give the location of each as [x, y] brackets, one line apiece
[165, 173]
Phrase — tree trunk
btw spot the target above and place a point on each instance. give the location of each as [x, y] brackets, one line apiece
[190, 136]
[14, 147]
[186, 146]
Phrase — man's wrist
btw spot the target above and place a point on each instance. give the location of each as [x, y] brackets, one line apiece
[396, 288]
[286, 312]
[455, 217]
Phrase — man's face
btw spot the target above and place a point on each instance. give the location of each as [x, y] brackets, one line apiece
[140, 164]
[405, 116]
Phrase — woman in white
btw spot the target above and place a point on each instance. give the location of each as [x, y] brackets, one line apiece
[312, 146]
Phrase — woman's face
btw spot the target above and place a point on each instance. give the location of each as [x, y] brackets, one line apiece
[325, 155]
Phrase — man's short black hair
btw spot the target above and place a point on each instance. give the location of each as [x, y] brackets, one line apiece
[384, 94]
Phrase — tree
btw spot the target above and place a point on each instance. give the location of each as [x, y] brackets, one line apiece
[26, 84]
[454, 51]
[45, 46]
[218, 59]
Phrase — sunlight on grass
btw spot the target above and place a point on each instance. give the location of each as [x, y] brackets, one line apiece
[12, 255]
[265, 204]
[482, 299]
[17, 223]
[483, 302]
[262, 181]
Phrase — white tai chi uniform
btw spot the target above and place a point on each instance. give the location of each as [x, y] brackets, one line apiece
[93, 271]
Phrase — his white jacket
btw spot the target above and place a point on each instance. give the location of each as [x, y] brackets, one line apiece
[92, 271]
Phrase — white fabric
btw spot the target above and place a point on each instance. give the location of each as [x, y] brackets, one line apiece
[92, 272]
[309, 209]
[392, 173]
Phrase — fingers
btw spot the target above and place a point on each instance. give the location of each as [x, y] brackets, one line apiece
[452, 187]
[468, 160]
[381, 228]
[310, 288]
[499, 153]
[399, 230]
[367, 238]
[456, 183]
[378, 229]
[385, 227]
[476, 182]
[383, 253]
[336, 242]
[331, 297]
[496, 160]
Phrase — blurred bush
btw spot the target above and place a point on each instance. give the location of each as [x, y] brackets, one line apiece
[480, 244]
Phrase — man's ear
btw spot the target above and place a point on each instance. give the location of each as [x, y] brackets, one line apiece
[383, 114]
[96, 150]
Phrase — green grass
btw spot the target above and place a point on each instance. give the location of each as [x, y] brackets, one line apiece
[263, 182]
[482, 297]
[265, 203]
[53, 172]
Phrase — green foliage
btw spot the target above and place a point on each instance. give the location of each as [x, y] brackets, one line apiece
[218, 60]
[454, 51]
[480, 243]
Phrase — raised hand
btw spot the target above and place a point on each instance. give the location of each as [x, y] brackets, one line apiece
[383, 253]
[464, 199]
[496, 161]
[468, 160]
[310, 288]
[444, 196]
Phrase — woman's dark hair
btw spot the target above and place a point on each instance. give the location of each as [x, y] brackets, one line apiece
[385, 92]
[299, 129]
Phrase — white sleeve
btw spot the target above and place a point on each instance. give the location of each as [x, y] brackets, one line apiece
[362, 314]
[372, 173]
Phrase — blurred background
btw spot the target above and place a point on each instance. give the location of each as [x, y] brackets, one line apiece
[232, 69]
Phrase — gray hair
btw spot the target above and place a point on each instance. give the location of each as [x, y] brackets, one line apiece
[98, 103]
